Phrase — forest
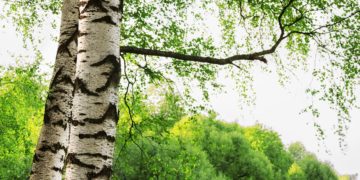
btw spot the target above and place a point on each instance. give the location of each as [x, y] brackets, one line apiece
[165, 143]
[127, 91]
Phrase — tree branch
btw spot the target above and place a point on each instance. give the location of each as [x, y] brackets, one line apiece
[229, 60]
[185, 57]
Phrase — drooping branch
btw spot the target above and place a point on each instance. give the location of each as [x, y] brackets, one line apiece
[212, 60]
[247, 57]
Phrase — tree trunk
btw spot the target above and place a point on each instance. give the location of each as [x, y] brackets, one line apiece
[95, 112]
[48, 161]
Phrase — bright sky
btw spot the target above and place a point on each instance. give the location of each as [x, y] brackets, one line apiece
[276, 107]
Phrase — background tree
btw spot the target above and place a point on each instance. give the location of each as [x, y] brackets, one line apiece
[269, 143]
[159, 141]
[22, 94]
[307, 166]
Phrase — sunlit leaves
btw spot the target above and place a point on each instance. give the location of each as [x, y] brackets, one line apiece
[21, 107]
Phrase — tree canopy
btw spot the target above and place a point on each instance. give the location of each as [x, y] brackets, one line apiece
[189, 43]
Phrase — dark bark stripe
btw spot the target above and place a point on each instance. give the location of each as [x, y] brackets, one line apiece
[36, 158]
[63, 47]
[83, 16]
[66, 79]
[56, 109]
[105, 19]
[60, 123]
[54, 148]
[93, 5]
[47, 118]
[57, 74]
[57, 169]
[114, 8]
[59, 90]
[98, 135]
[95, 155]
[76, 123]
[111, 112]
[110, 59]
[113, 75]
[83, 34]
[71, 158]
[80, 85]
[105, 172]
[81, 51]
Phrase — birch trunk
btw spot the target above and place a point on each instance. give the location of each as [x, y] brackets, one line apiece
[48, 161]
[95, 112]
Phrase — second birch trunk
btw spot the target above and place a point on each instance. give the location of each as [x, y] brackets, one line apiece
[48, 161]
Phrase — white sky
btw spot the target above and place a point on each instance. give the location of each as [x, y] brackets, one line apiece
[276, 107]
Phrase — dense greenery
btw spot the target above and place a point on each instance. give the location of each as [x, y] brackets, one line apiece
[157, 140]
[21, 111]
[318, 35]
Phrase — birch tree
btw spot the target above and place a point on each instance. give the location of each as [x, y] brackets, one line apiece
[95, 111]
[51, 150]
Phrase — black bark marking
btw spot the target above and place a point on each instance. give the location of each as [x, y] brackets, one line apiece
[105, 73]
[76, 123]
[56, 169]
[57, 74]
[81, 51]
[56, 109]
[106, 19]
[54, 148]
[113, 75]
[59, 90]
[111, 113]
[104, 172]
[83, 34]
[95, 4]
[65, 79]
[80, 85]
[46, 118]
[95, 155]
[60, 123]
[114, 8]
[36, 158]
[98, 103]
[50, 98]
[83, 16]
[98, 135]
[71, 158]
[63, 47]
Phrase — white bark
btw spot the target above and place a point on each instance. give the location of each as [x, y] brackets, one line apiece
[95, 111]
[52, 146]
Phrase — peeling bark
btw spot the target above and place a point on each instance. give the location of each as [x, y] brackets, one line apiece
[95, 112]
[48, 161]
